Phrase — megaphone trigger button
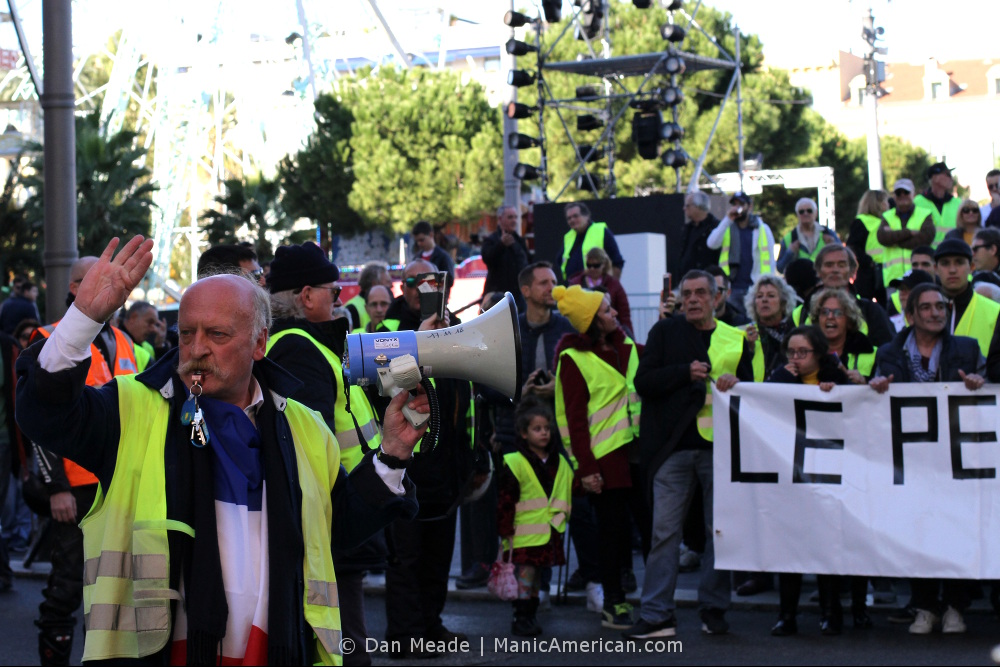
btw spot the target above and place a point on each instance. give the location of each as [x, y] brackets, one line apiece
[381, 360]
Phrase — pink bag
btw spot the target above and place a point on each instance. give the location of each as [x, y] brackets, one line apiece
[503, 582]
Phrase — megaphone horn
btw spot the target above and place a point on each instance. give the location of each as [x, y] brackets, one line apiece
[486, 350]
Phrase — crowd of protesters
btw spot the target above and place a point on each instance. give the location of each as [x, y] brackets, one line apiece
[610, 444]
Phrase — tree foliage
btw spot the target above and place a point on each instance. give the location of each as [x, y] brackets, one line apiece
[114, 192]
[250, 211]
[316, 181]
[424, 145]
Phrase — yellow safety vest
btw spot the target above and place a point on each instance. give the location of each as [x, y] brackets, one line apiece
[863, 363]
[896, 260]
[979, 320]
[359, 304]
[802, 254]
[762, 251]
[945, 220]
[535, 514]
[873, 248]
[724, 354]
[592, 238]
[347, 435]
[126, 582]
[614, 405]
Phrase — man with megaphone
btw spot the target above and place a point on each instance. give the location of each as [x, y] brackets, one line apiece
[420, 551]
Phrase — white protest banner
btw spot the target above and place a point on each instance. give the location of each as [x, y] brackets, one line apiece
[901, 484]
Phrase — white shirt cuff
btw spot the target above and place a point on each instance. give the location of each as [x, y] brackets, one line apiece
[393, 477]
[69, 344]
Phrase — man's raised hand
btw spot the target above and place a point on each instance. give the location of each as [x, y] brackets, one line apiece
[109, 282]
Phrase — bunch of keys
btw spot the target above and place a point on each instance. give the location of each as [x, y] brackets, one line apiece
[191, 414]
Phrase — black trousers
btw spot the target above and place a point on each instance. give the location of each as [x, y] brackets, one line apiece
[352, 616]
[416, 581]
[64, 592]
[615, 545]
[934, 595]
[790, 588]
[480, 543]
[583, 531]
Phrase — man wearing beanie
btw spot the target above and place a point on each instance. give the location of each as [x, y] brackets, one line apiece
[306, 341]
[597, 412]
[684, 360]
[973, 315]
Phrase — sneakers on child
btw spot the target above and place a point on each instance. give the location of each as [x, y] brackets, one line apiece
[617, 618]
[595, 597]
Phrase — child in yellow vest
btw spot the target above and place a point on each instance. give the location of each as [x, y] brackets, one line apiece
[535, 495]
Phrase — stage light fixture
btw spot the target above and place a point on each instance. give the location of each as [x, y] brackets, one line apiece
[517, 19]
[553, 10]
[642, 4]
[672, 5]
[525, 172]
[589, 92]
[516, 47]
[670, 96]
[646, 133]
[674, 65]
[520, 78]
[675, 158]
[585, 151]
[591, 17]
[589, 183]
[671, 132]
[518, 110]
[588, 122]
[517, 141]
[672, 32]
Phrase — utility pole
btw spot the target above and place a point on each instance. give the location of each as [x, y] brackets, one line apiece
[874, 76]
[60, 153]
[511, 184]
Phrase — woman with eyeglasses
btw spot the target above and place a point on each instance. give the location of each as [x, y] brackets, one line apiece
[837, 314]
[598, 276]
[969, 221]
[811, 363]
[805, 238]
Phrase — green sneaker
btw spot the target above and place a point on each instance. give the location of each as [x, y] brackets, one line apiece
[618, 618]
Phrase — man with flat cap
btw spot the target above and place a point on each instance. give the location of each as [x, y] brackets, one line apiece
[306, 341]
[938, 199]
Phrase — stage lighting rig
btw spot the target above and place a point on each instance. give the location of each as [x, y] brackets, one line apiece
[518, 110]
[517, 19]
[590, 153]
[675, 158]
[520, 78]
[516, 47]
[517, 141]
[525, 172]
[646, 128]
[588, 122]
[672, 32]
[671, 131]
[588, 182]
[591, 18]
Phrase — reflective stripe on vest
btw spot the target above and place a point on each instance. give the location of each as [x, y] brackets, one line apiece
[724, 353]
[613, 407]
[945, 220]
[873, 248]
[592, 238]
[979, 320]
[896, 260]
[99, 374]
[347, 435]
[535, 514]
[126, 593]
[762, 251]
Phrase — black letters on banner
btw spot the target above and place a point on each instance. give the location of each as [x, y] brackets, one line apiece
[899, 438]
[734, 450]
[799, 476]
[958, 437]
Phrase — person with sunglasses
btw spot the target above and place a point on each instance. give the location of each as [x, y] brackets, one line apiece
[968, 223]
[599, 275]
[993, 188]
[985, 251]
[306, 340]
[928, 352]
[905, 227]
[806, 238]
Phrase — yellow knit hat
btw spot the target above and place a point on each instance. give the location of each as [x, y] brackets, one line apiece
[577, 305]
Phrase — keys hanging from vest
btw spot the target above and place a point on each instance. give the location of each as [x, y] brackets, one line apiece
[192, 415]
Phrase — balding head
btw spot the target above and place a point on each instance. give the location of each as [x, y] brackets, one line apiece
[415, 268]
[78, 270]
[222, 324]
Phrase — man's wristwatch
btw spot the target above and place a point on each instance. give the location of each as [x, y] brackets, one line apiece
[391, 462]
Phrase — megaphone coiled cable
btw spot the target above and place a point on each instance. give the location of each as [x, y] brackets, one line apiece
[430, 439]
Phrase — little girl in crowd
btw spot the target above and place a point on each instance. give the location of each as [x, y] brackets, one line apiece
[535, 496]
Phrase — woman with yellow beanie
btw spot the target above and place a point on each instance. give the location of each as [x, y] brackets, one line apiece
[597, 411]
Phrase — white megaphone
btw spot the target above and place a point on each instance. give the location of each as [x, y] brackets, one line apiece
[487, 350]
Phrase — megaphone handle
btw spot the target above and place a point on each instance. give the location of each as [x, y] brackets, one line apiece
[416, 419]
